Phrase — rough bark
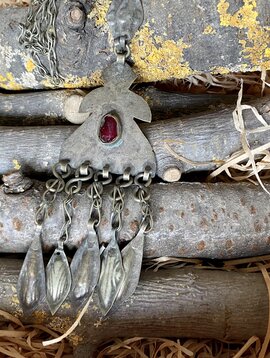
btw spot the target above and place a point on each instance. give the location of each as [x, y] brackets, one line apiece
[188, 302]
[176, 40]
[55, 107]
[218, 221]
[206, 140]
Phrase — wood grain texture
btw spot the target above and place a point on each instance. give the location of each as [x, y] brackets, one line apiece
[205, 139]
[50, 107]
[217, 221]
[186, 302]
[176, 40]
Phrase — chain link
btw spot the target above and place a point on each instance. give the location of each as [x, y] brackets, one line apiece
[53, 186]
[117, 196]
[142, 195]
[94, 193]
[72, 187]
[121, 49]
[38, 35]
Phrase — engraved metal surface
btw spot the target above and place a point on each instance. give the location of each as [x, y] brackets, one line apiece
[125, 17]
[85, 268]
[132, 149]
[31, 282]
[58, 279]
[111, 275]
[132, 256]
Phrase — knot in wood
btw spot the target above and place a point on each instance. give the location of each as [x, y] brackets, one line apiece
[15, 182]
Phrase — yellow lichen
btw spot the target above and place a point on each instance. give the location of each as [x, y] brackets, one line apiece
[220, 70]
[99, 12]
[156, 58]
[15, 300]
[255, 45]
[209, 30]
[95, 79]
[40, 316]
[8, 82]
[30, 65]
[66, 306]
[16, 164]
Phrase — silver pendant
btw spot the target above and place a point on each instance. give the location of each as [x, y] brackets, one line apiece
[111, 275]
[113, 102]
[85, 268]
[132, 256]
[58, 279]
[31, 282]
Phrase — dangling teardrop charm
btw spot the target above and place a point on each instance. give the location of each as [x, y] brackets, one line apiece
[58, 279]
[85, 268]
[31, 282]
[111, 275]
[132, 256]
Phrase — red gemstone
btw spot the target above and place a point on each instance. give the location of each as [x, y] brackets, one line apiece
[109, 129]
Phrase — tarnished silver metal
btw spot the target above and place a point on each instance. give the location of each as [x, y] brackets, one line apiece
[131, 149]
[113, 143]
[132, 256]
[94, 193]
[38, 35]
[142, 195]
[58, 279]
[124, 18]
[85, 268]
[31, 283]
[111, 275]
[58, 274]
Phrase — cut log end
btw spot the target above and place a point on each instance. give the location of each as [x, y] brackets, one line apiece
[71, 109]
[172, 174]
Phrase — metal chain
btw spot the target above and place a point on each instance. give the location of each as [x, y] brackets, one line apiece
[117, 196]
[61, 171]
[124, 18]
[121, 49]
[38, 35]
[94, 193]
[142, 195]
[72, 187]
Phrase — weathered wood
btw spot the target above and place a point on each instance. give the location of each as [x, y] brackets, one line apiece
[218, 221]
[207, 140]
[177, 39]
[188, 302]
[55, 107]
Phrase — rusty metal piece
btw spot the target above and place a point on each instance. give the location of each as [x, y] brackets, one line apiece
[15, 182]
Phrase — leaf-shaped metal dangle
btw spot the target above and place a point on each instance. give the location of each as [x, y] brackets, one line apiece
[132, 256]
[31, 282]
[58, 279]
[111, 274]
[85, 268]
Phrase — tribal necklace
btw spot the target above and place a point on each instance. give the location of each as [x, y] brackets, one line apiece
[107, 149]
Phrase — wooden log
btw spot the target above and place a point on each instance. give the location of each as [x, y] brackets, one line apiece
[176, 40]
[56, 107]
[205, 141]
[216, 221]
[187, 302]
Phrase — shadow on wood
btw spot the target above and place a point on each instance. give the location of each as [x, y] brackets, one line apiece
[218, 221]
[186, 302]
[202, 142]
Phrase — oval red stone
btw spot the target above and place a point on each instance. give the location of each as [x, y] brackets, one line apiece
[108, 131]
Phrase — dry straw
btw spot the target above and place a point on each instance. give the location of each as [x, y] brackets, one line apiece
[25, 341]
[21, 341]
